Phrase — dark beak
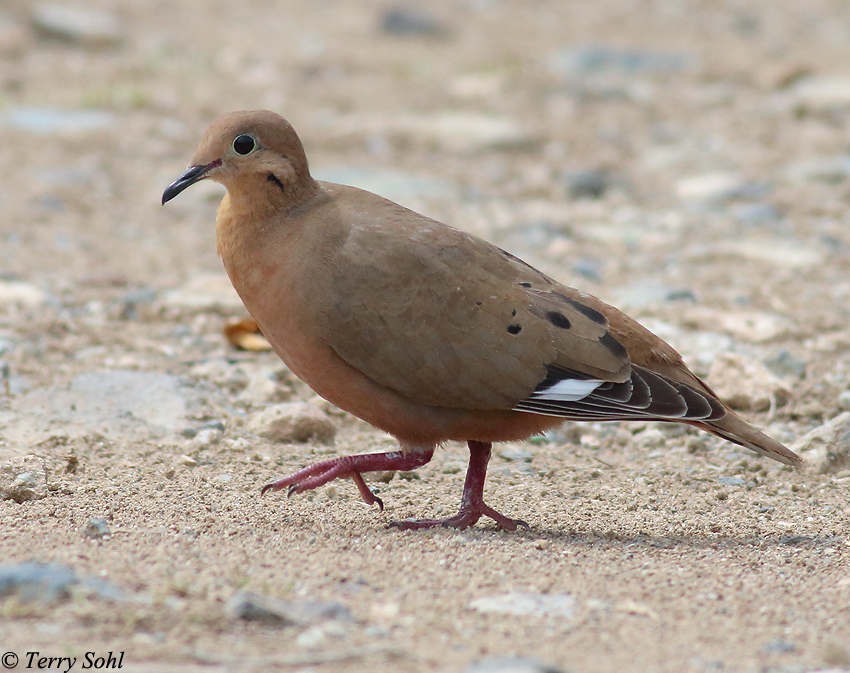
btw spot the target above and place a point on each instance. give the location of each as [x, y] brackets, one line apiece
[192, 175]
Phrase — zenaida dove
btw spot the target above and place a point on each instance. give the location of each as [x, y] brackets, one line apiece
[423, 330]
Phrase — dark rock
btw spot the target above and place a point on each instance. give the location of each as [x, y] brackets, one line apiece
[779, 646]
[785, 364]
[49, 583]
[511, 665]
[278, 613]
[406, 20]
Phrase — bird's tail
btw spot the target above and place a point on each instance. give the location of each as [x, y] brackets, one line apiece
[735, 429]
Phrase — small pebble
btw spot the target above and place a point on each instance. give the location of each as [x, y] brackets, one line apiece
[526, 604]
[406, 20]
[96, 528]
[292, 422]
[779, 646]
[511, 665]
[76, 25]
[513, 455]
[206, 437]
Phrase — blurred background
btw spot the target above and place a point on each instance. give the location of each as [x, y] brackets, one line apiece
[687, 161]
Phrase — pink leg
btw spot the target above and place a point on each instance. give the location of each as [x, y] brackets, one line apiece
[318, 474]
[472, 505]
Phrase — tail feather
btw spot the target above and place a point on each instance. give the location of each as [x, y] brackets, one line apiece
[735, 429]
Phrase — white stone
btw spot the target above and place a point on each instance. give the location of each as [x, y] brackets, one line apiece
[292, 422]
[205, 292]
[827, 447]
[746, 384]
[525, 604]
[23, 478]
[16, 292]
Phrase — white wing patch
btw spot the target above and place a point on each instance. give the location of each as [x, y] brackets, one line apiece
[568, 390]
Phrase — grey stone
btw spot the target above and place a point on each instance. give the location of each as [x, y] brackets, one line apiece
[785, 254]
[405, 20]
[787, 365]
[587, 184]
[47, 121]
[526, 604]
[513, 455]
[115, 403]
[391, 184]
[757, 214]
[511, 665]
[275, 612]
[832, 170]
[731, 481]
[96, 528]
[76, 25]
[50, 583]
[292, 422]
[595, 59]
[827, 447]
[844, 400]
[779, 646]
[588, 268]
[23, 478]
[644, 294]
[127, 306]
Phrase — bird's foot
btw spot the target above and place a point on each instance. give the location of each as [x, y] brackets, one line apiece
[318, 474]
[472, 505]
[465, 518]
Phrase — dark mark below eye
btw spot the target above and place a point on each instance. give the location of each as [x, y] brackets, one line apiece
[273, 178]
[514, 329]
[558, 319]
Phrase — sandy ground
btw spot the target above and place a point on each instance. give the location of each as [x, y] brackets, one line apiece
[650, 549]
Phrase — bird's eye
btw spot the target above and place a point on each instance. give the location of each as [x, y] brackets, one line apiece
[244, 144]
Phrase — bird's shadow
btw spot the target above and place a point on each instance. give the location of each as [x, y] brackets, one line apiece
[647, 541]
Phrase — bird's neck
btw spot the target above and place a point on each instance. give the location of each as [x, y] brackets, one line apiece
[257, 244]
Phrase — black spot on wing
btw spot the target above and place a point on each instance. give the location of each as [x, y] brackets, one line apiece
[558, 319]
[524, 284]
[586, 311]
[614, 347]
